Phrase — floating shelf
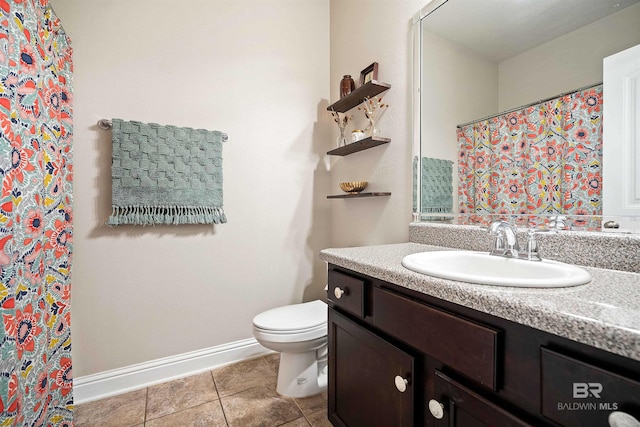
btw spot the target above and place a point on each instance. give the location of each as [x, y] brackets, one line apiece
[363, 144]
[358, 96]
[353, 196]
[355, 98]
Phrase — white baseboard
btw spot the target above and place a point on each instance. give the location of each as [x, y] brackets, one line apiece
[134, 377]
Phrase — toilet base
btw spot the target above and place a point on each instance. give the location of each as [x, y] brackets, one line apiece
[299, 376]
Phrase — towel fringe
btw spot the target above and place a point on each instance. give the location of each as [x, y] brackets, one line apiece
[152, 215]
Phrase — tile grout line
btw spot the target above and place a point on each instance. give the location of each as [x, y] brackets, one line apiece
[146, 403]
[302, 412]
[185, 410]
[224, 414]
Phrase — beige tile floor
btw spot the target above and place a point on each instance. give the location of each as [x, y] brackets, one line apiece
[239, 395]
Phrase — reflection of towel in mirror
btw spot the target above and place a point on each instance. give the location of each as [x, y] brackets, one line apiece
[436, 185]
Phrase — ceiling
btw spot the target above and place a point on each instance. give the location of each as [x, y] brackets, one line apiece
[501, 29]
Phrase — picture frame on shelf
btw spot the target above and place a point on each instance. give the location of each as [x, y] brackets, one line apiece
[369, 73]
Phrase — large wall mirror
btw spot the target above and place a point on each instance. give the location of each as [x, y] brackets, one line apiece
[477, 60]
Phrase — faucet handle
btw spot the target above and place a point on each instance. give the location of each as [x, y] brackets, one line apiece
[531, 251]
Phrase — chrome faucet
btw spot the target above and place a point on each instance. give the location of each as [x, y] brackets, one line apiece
[505, 242]
[506, 245]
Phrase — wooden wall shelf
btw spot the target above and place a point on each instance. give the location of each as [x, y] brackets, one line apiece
[363, 144]
[353, 196]
[355, 98]
[358, 96]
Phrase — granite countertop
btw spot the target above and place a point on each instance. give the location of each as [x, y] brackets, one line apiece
[604, 313]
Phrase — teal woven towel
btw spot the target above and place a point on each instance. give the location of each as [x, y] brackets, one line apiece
[436, 189]
[165, 175]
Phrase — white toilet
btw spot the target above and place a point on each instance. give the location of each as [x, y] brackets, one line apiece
[299, 333]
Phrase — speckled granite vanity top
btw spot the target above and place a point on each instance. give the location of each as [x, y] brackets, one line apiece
[604, 313]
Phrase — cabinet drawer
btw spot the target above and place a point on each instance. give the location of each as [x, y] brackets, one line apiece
[346, 292]
[467, 347]
[575, 393]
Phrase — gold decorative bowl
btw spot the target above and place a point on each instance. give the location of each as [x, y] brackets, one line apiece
[353, 187]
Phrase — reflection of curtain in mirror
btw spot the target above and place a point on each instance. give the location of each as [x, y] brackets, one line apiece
[35, 216]
[543, 159]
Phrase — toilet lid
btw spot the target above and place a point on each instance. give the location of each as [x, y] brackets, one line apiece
[293, 317]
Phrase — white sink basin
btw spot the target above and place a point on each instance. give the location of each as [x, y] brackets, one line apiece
[485, 269]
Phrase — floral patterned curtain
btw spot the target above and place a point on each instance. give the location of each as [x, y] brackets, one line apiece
[543, 159]
[35, 216]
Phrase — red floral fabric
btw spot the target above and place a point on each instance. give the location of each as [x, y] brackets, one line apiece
[543, 159]
[36, 232]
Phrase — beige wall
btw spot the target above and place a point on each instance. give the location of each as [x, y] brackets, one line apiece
[568, 62]
[258, 70]
[364, 31]
[458, 85]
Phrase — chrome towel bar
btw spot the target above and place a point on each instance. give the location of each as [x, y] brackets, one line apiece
[106, 124]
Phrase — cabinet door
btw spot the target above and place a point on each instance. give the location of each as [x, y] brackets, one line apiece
[460, 406]
[371, 382]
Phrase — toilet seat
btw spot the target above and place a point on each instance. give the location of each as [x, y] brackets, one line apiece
[295, 317]
[297, 322]
[290, 336]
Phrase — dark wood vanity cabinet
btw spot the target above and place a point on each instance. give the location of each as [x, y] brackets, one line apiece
[372, 377]
[398, 357]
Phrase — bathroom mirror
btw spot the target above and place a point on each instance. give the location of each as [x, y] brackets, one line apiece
[475, 59]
